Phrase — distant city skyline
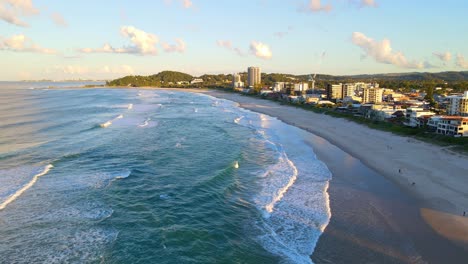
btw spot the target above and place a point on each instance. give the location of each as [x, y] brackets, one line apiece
[44, 39]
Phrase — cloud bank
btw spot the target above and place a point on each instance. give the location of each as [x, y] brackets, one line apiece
[178, 47]
[142, 43]
[316, 6]
[21, 43]
[443, 56]
[382, 52]
[11, 11]
[228, 45]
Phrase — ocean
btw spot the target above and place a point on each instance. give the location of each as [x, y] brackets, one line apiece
[152, 176]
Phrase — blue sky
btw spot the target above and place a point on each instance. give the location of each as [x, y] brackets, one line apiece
[45, 39]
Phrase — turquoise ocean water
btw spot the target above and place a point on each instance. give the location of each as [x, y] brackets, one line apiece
[152, 176]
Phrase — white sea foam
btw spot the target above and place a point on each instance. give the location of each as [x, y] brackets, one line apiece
[293, 196]
[109, 123]
[237, 120]
[146, 123]
[130, 107]
[25, 187]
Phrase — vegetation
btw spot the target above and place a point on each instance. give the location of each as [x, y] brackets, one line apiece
[405, 82]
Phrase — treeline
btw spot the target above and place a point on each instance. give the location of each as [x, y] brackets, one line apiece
[458, 81]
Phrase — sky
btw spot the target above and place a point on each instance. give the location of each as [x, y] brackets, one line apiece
[58, 40]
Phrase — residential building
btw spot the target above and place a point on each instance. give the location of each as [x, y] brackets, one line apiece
[254, 76]
[301, 87]
[372, 95]
[449, 125]
[334, 91]
[458, 105]
[197, 80]
[348, 90]
[417, 117]
[236, 81]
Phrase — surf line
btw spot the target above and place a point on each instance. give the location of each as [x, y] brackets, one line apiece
[26, 187]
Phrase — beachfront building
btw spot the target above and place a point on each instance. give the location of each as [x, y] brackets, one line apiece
[372, 96]
[417, 117]
[334, 91]
[301, 88]
[458, 105]
[237, 82]
[197, 80]
[348, 90]
[449, 125]
[254, 76]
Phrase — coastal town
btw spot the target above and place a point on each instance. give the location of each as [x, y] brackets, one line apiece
[445, 114]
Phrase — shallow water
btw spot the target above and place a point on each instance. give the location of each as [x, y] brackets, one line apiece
[128, 175]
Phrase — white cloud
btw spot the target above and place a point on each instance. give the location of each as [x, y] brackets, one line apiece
[143, 43]
[21, 43]
[382, 52]
[12, 10]
[68, 69]
[178, 47]
[224, 43]
[58, 19]
[120, 69]
[80, 71]
[369, 3]
[461, 62]
[187, 3]
[316, 6]
[228, 45]
[443, 56]
[260, 50]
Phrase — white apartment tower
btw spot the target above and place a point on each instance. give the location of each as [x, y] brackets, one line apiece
[372, 95]
[236, 81]
[254, 76]
[458, 105]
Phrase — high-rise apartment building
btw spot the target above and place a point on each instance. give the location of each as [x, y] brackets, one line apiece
[372, 95]
[458, 105]
[348, 90]
[254, 76]
[334, 91]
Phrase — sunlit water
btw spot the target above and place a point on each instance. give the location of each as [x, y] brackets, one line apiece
[139, 176]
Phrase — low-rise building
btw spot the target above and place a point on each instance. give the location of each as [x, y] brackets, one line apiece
[449, 125]
[417, 117]
[197, 80]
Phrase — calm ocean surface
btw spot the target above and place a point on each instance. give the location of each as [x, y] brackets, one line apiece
[152, 176]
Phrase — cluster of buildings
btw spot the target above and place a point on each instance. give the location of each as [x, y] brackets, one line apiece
[370, 101]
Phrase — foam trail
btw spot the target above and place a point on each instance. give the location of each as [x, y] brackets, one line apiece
[108, 123]
[26, 187]
[269, 207]
[237, 120]
[145, 123]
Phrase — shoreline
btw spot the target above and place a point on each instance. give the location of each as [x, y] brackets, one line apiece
[435, 201]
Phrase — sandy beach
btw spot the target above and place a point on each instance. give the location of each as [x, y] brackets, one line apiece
[419, 201]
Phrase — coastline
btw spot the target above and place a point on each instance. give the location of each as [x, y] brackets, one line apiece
[426, 217]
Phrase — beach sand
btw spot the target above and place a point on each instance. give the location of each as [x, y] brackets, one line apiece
[378, 214]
